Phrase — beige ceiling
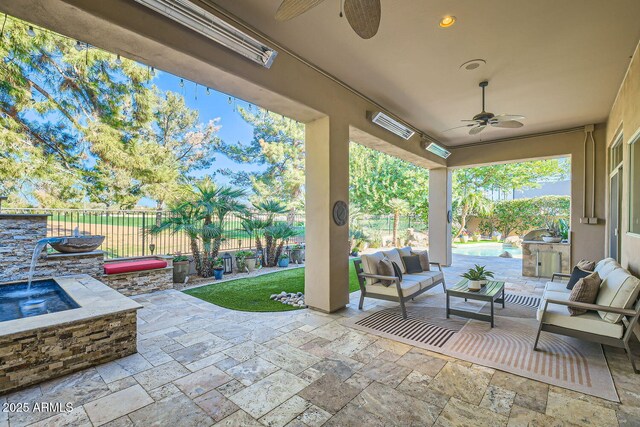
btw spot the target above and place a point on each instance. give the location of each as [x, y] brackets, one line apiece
[559, 63]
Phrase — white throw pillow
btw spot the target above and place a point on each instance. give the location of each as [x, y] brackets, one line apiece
[619, 289]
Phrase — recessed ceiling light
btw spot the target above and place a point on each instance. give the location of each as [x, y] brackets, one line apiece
[473, 64]
[447, 21]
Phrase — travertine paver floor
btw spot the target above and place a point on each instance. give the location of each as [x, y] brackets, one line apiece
[200, 365]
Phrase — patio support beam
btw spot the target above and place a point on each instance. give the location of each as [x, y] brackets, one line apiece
[439, 208]
[327, 181]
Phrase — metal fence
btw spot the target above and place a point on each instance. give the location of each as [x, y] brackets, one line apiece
[125, 235]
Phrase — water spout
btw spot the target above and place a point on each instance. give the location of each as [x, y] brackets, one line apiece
[40, 245]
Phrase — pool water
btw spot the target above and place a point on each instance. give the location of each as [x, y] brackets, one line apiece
[488, 250]
[45, 296]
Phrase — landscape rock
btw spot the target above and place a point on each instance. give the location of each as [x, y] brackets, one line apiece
[506, 254]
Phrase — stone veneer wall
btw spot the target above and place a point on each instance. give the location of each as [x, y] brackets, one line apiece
[34, 356]
[140, 282]
[18, 237]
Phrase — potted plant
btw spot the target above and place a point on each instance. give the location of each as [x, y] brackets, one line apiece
[496, 236]
[486, 274]
[476, 237]
[356, 251]
[554, 234]
[477, 277]
[245, 261]
[283, 261]
[218, 269]
[297, 254]
[464, 236]
[180, 268]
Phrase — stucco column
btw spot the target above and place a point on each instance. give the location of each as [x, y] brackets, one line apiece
[439, 208]
[327, 244]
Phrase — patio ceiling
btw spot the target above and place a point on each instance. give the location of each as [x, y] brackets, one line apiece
[558, 63]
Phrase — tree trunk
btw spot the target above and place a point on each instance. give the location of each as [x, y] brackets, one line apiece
[278, 252]
[463, 220]
[197, 259]
[270, 250]
[396, 221]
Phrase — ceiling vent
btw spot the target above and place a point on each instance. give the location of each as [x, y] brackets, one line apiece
[205, 23]
[438, 150]
[392, 125]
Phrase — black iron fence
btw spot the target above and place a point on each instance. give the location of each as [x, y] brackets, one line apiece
[125, 235]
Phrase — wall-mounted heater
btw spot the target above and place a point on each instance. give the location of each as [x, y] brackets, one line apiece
[199, 20]
[392, 125]
[438, 150]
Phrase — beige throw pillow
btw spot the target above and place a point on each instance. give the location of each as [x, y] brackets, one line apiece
[586, 265]
[586, 290]
[424, 259]
[385, 268]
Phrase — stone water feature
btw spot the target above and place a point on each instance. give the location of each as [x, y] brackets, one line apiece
[65, 323]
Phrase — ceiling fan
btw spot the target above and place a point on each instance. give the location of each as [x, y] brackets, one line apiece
[362, 15]
[483, 119]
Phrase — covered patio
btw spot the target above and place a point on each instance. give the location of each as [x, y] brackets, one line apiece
[199, 364]
[331, 364]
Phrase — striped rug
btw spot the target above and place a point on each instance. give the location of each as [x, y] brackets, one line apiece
[391, 322]
[525, 300]
[563, 361]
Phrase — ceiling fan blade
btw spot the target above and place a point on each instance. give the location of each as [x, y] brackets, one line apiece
[507, 124]
[476, 130]
[289, 9]
[458, 127]
[505, 117]
[474, 121]
[363, 16]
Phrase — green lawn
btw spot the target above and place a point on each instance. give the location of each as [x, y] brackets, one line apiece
[252, 293]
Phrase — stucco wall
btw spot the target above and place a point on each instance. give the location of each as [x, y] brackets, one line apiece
[625, 117]
[587, 241]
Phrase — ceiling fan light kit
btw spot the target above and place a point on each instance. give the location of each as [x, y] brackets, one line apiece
[392, 125]
[207, 24]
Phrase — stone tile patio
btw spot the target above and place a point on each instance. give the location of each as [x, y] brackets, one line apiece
[200, 365]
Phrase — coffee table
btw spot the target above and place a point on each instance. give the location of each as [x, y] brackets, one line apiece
[492, 292]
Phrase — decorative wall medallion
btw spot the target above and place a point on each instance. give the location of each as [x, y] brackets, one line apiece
[340, 213]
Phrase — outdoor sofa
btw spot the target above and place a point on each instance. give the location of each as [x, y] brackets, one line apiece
[410, 287]
[609, 321]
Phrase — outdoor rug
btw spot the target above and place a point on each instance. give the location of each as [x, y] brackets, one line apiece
[563, 361]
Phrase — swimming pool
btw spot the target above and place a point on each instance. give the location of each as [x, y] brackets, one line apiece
[488, 250]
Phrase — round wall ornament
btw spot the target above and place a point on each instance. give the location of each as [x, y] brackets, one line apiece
[340, 213]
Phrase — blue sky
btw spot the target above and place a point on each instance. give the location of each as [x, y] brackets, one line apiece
[215, 105]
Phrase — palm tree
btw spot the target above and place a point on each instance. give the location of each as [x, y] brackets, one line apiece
[398, 207]
[185, 218]
[202, 219]
[269, 208]
[278, 233]
[471, 204]
[215, 203]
